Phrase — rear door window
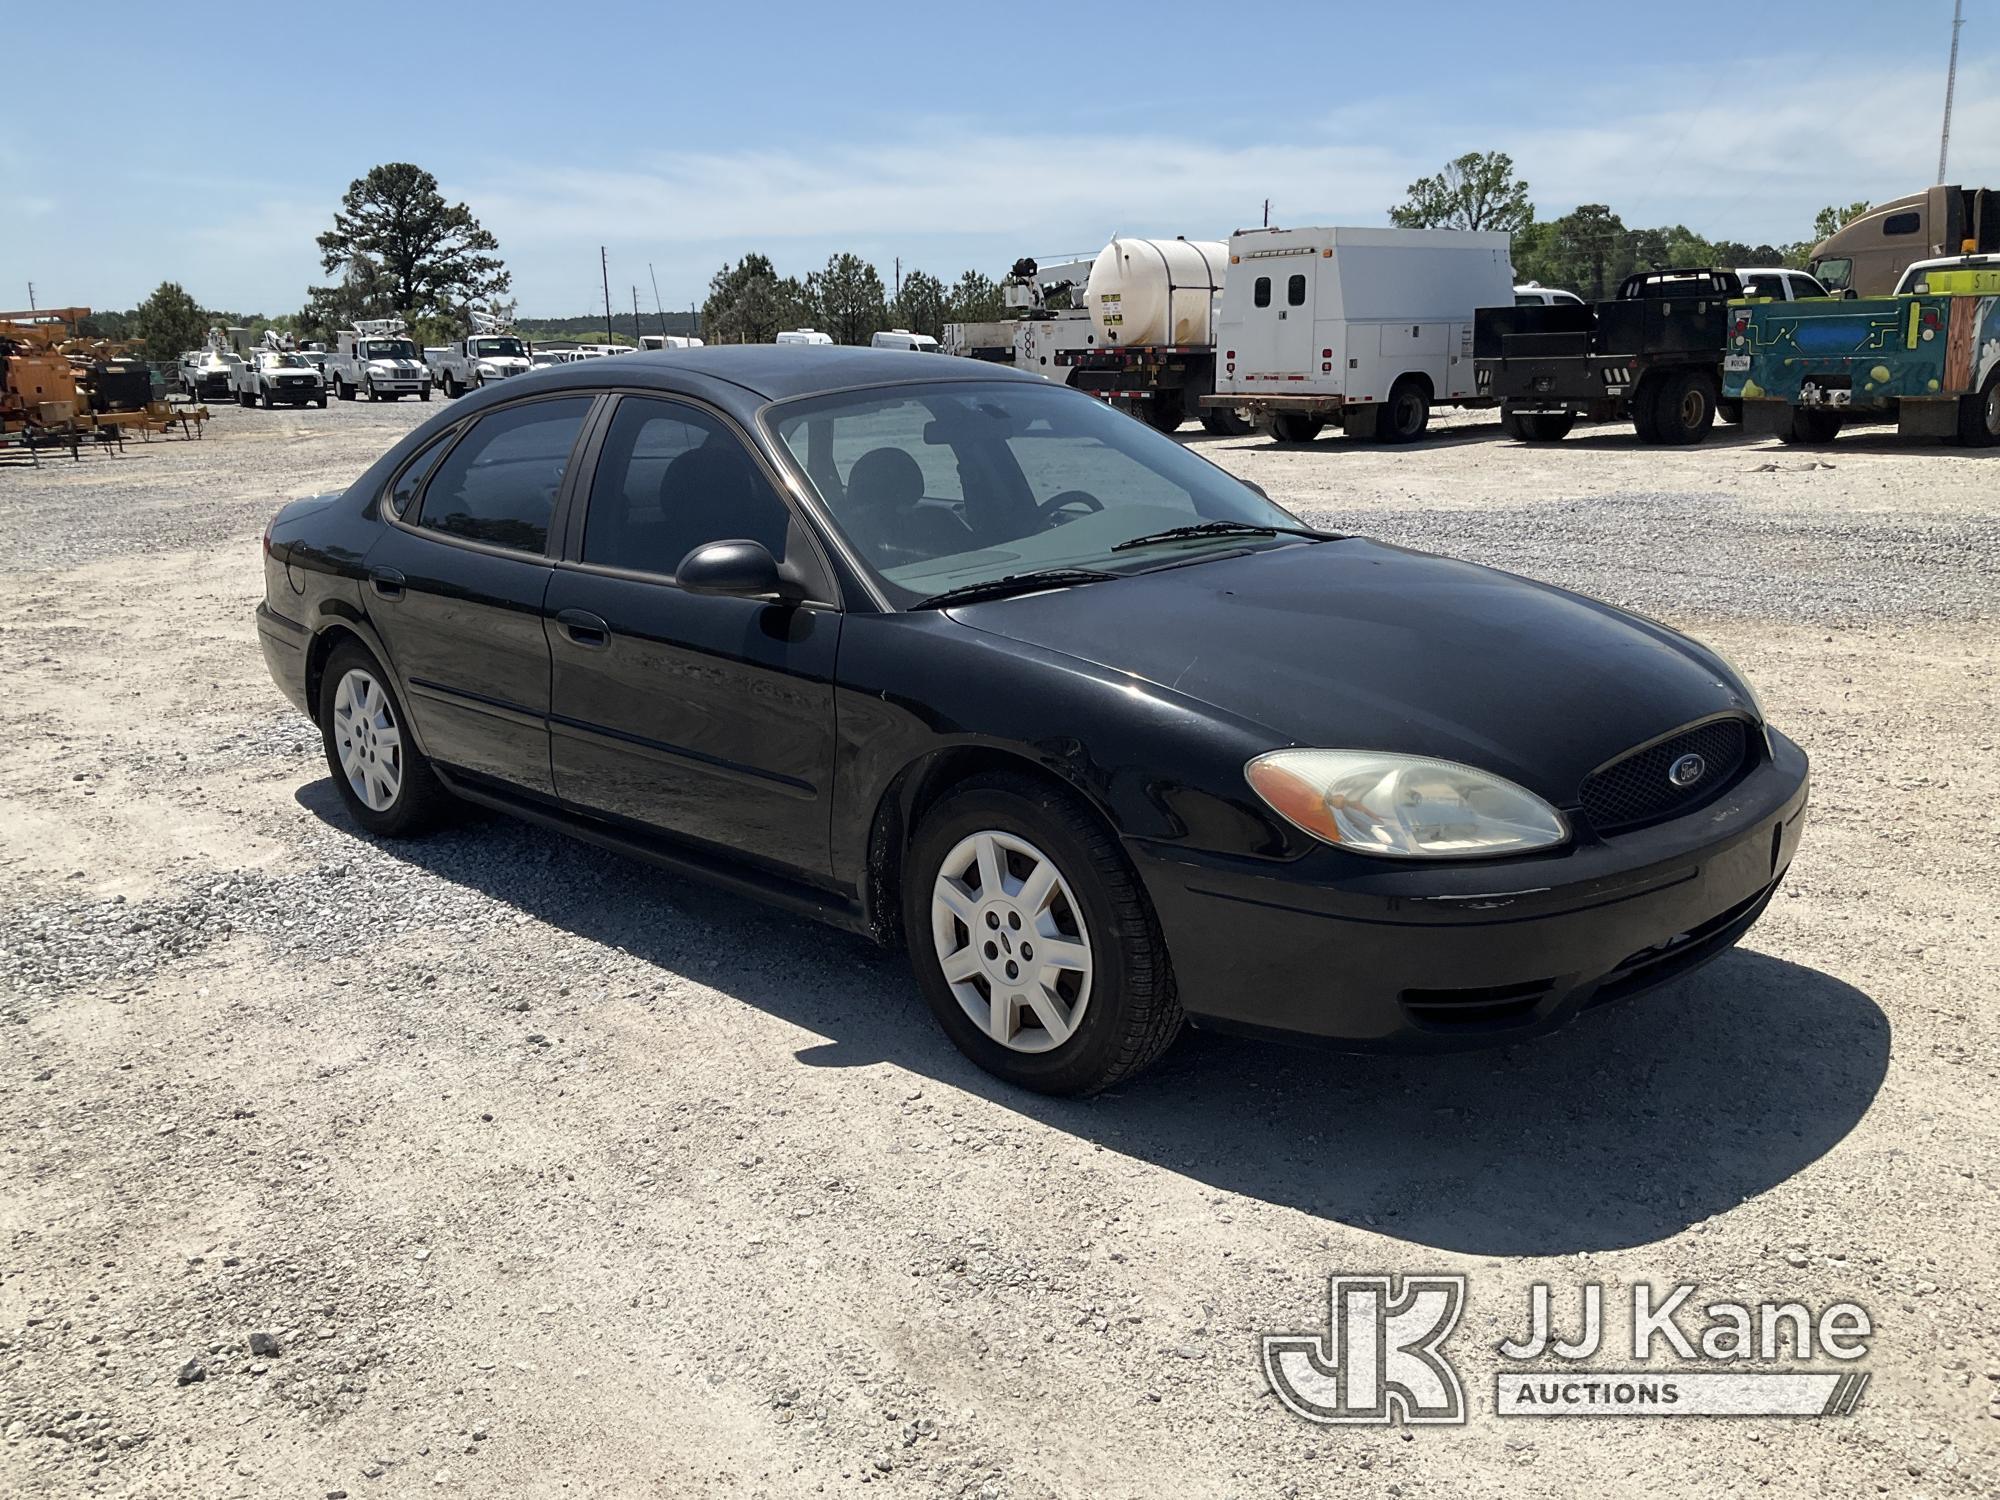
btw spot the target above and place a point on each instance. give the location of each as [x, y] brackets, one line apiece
[499, 485]
[1295, 291]
[1260, 291]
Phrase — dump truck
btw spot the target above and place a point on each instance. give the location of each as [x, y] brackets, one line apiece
[1926, 358]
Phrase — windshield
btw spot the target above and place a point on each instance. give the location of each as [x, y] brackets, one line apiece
[1834, 273]
[388, 349]
[498, 349]
[941, 486]
[285, 361]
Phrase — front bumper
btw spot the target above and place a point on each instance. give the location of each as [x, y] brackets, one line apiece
[284, 642]
[1379, 954]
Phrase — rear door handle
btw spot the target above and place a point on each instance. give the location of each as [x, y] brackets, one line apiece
[582, 628]
[387, 582]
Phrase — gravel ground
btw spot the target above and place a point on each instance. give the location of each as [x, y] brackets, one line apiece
[493, 1165]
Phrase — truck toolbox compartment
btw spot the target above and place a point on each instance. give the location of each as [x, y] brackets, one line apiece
[1546, 345]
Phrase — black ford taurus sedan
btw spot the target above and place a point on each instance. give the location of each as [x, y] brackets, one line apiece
[957, 658]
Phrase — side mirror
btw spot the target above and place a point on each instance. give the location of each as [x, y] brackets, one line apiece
[739, 568]
[1256, 488]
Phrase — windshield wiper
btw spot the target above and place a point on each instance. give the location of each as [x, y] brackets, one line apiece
[1218, 528]
[1014, 583]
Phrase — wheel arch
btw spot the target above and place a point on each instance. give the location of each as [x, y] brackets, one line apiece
[331, 633]
[918, 787]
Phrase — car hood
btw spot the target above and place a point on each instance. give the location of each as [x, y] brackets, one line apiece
[1354, 644]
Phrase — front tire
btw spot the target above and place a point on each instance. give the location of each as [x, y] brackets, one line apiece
[385, 780]
[269, 401]
[1033, 941]
[1811, 427]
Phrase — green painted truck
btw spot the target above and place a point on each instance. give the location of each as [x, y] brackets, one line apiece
[1927, 360]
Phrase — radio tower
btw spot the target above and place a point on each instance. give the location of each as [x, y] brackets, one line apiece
[1950, 81]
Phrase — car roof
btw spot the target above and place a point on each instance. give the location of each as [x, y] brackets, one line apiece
[776, 372]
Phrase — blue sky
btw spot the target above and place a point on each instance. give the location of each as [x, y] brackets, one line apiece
[950, 135]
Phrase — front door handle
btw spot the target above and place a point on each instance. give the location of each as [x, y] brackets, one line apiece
[582, 628]
[387, 582]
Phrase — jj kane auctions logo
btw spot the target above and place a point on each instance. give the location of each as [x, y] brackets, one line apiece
[1381, 1358]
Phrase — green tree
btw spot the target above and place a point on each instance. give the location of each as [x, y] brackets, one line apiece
[170, 322]
[851, 299]
[1475, 191]
[747, 304]
[424, 257]
[921, 305]
[1587, 252]
[1675, 246]
[362, 291]
[975, 299]
[1830, 219]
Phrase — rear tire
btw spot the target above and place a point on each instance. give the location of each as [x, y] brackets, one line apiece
[1293, 427]
[383, 778]
[1111, 997]
[343, 390]
[452, 389]
[1406, 414]
[1979, 416]
[322, 400]
[1222, 422]
[1684, 410]
[1811, 428]
[1643, 404]
[1164, 413]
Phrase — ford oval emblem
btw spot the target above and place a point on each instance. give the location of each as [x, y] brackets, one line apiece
[1687, 770]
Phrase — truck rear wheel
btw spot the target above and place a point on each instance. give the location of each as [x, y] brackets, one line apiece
[1811, 427]
[1684, 409]
[1404, 417]
[1295, 427]
[343, 390]
[1164, 413]
[452, 389]
[1979, 416]
[1222, 422]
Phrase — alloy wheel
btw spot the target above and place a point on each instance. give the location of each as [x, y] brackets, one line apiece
[368, 740]
[1010, 938]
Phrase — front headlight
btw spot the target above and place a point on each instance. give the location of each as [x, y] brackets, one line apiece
[1404, 806]
[489, 369]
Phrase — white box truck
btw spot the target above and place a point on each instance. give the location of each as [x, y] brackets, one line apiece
[1369, 327]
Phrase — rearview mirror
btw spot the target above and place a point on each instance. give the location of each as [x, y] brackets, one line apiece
[740, 568]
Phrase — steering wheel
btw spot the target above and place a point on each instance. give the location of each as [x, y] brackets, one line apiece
[1054, 506]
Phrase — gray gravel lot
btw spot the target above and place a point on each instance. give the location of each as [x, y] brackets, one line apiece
[492, 1165]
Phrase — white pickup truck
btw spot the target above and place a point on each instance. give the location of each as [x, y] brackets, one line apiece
[269, 376]
[379, 361]
[473, 361]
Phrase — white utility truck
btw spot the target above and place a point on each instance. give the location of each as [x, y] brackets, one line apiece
[492, 351]
[375, 357]
[275, 374]
[1369, 327]
[1049, 325]
[803, 336]
[902, 338]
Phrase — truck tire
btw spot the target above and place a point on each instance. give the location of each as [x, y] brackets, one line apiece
[1811, 427]
[1295, 427]
[1404, 417]
[452, 389]
[1684, 409]
[342, 389]
[1729, 411]
[424, 394]
[1643, 405]
[1164, 413]
[1222, 422]
[322, 398]
[270, 401]
[373, 394]
[1538, 426]
[1979, 416]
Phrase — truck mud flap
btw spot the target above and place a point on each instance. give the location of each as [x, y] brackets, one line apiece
[1928, 419]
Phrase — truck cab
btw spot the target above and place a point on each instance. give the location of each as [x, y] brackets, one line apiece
[477, 359]
[1779, 283]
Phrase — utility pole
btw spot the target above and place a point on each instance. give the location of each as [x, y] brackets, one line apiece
[656, 303]
[1267, 213]
[899, 278]
[604, 266]
[31, 296]
[638, 338]
[1950, 83]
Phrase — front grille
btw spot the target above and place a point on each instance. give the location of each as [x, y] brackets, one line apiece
[1640, 789]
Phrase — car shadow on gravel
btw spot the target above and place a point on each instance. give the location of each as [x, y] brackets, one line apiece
[1634, 1123]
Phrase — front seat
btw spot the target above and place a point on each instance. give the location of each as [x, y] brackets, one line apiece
[714, 494]
[885, 510]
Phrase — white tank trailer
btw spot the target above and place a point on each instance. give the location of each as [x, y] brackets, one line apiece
[1153, 305]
